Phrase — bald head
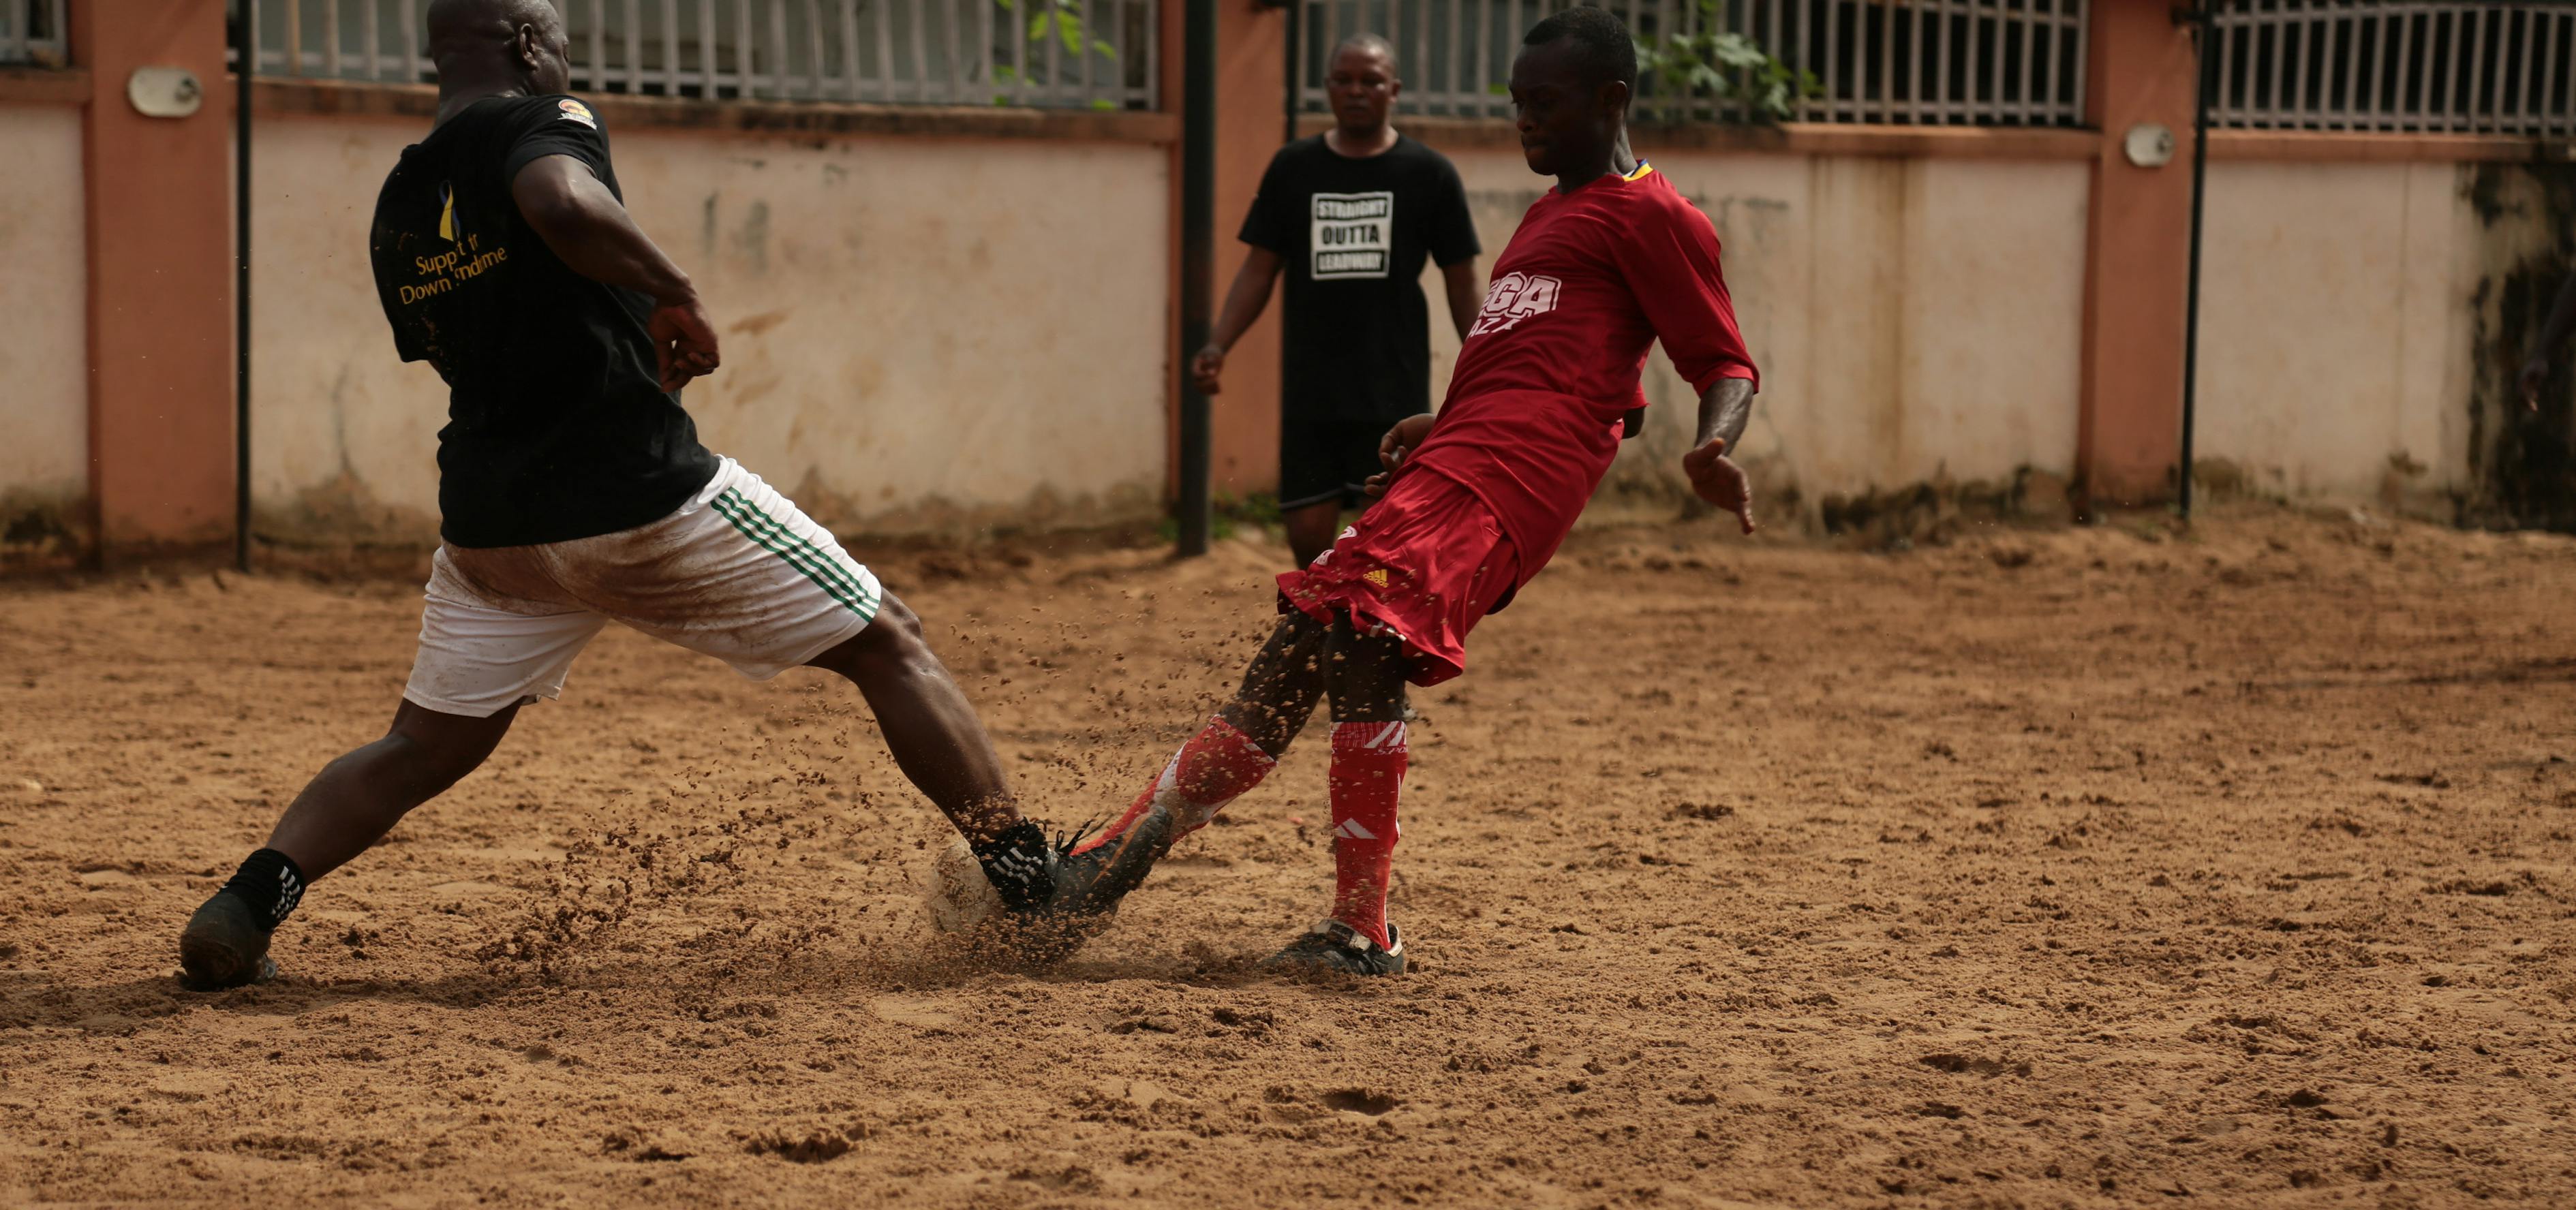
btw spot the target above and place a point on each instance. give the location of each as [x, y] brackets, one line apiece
[494, 46]
[1367, 44]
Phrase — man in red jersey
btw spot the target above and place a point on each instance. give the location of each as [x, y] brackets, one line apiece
[1475, 500]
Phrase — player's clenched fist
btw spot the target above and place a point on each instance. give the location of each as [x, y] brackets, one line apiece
[1207, 369]
[1403, 439]
[1717, 479]
[684, 342]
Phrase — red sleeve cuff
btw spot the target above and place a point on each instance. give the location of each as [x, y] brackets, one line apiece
[1722, 373]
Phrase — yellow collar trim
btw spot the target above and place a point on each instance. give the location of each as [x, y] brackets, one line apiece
[1642, 169]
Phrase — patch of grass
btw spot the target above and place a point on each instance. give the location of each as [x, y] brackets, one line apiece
[1259, 508]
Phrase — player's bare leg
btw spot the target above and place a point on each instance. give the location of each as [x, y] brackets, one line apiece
[1281, 686]
[930, 728]
[359, 797]
[1311, 529]
[1238, 747]
[940, 743]
[347, 807]
[1365, 676]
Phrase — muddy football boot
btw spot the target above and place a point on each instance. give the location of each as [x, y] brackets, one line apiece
[1334, 946]
[224, 946]
[1063, 894]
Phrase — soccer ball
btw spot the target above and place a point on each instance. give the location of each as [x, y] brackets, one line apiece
[956, 895]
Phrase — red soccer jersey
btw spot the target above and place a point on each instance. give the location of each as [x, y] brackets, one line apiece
[1590, 281]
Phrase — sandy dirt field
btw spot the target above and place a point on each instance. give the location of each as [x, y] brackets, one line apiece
[2090, 868]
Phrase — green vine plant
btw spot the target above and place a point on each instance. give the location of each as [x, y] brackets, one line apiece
[1728, 67]
[1061, 20]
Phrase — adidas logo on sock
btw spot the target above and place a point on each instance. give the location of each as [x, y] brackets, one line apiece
[290, 891]
[1350, 829]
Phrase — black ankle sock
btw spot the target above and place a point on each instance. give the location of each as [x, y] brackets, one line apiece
[1015, 863]
[271, 883]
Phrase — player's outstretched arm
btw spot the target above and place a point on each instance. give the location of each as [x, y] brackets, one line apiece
[1243, 304]
[2562, 320]
[1724, 409]
[586, 226]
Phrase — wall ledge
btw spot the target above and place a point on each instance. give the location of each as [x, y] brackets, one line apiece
[2376, 147]
[1794, 138]
[44, 86]
[331, 98]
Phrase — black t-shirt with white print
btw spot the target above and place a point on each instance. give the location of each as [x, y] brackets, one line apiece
[558, 427]
[1353, 234]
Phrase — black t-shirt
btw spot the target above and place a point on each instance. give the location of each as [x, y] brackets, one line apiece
[557, 425]
[1353, 233]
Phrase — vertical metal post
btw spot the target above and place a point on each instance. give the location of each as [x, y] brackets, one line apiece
[1457, 53]
[814, 50]
[1833, 96]
[1422, 55]
[706, 49]
[1198, 255]
[885, 48]
[2205, 18]
[245, 66]
[953, 41]
[1296, 11]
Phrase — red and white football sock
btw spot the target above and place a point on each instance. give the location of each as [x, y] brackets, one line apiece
[1367, 777]
[1213, 769]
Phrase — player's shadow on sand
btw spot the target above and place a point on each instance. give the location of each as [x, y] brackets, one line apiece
[34, 1000]
[2392, 676]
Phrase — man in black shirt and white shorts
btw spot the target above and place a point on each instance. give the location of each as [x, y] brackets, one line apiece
[1349, 215]
[573, 492]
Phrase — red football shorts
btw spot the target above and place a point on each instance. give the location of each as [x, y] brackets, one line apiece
[1425, 563]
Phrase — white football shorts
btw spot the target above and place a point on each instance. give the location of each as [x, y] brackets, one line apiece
[738, 573]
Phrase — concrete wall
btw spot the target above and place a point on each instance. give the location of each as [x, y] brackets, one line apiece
[44, 463]
[1916, 320]
[2342, 312]
[919, 334]
[928, 334]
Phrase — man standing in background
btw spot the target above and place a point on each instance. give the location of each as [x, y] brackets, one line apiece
[1349, 214]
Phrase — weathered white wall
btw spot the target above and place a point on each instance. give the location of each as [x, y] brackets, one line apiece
[44, 305]
[917, 334]
[1915, 320]
[2339, 310]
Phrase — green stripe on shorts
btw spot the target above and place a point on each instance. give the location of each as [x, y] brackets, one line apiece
[771, 535]
[766, 532]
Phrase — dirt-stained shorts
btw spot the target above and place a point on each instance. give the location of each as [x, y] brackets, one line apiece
[1425, 564]
[738, 573]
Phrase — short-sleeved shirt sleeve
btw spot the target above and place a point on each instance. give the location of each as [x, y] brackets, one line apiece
[1453, 229]
[1670, 259]
[1273, 222]
[568, 127]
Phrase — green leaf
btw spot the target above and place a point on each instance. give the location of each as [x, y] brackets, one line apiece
[1103, 103]
[1103, 49]
[1748, 82]
[1039, 25]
